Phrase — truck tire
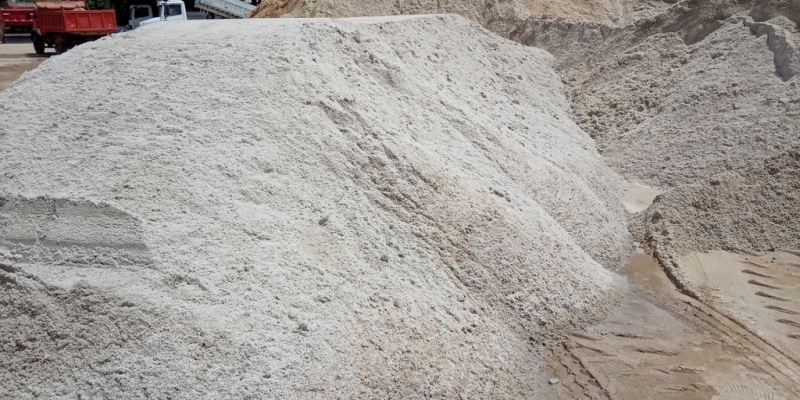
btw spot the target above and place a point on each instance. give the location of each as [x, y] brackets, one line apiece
[38, 44]
[60, 47]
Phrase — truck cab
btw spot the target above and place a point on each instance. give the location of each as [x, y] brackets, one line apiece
[168, 10]
[139, 14]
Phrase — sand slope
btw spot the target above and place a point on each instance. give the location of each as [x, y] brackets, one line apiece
[308, 208]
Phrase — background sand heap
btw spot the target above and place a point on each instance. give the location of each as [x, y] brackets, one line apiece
[700, 89]
[286, 208]
[615, 12]
[706, 91]
[672, 93]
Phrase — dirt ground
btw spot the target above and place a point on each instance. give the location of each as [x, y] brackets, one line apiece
[16, 58]
[762, 293]
[660, 344]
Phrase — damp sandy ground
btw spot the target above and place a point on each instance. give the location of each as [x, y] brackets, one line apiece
[760, 292]
[16, 58]
[659, 344]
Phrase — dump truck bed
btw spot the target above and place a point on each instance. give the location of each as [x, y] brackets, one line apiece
[17, 17]
[226, 8]
[75, 21]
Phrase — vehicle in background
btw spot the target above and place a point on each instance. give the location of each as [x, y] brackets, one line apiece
[139, 13]
[168, 10]
[17, 19]
[225, 8]
[65, 24]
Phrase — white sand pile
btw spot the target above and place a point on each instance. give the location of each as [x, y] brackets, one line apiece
[297, 208]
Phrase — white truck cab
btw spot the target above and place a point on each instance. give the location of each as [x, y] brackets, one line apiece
[168, 10]
[138, 14]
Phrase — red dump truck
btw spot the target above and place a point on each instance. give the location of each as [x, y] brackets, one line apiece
[65, 24]
[17, 19]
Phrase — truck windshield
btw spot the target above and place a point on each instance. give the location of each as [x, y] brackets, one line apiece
[172, 9]
[141, 12]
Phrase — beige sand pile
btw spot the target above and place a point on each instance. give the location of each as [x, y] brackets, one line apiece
[297, 208]
[709, 214]
[274, 9]
[612, 12]
[502, 15]
[496, 15]
[756, 209]
[680, 97]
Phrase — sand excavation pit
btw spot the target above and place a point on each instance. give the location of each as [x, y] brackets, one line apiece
[382, 207]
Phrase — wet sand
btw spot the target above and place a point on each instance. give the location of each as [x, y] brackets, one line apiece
[660, 344]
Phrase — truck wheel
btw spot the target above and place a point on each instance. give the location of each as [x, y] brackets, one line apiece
[60, 47]
[38, 44]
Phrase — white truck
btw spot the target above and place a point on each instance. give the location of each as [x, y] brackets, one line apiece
[139, 13]
[168, 10]
[225, 8]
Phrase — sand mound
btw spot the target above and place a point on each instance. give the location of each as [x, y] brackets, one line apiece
[297, 208]
[704, 92]
[676, 98]
[498, 16]
[501, 14]
[612, 12]
[275, 9]
[752, 210]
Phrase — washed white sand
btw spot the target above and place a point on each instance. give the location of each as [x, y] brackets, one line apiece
[297, 208]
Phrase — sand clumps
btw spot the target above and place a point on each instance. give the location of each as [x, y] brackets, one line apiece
[361, 208]
[708, 215]
[753, 210]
